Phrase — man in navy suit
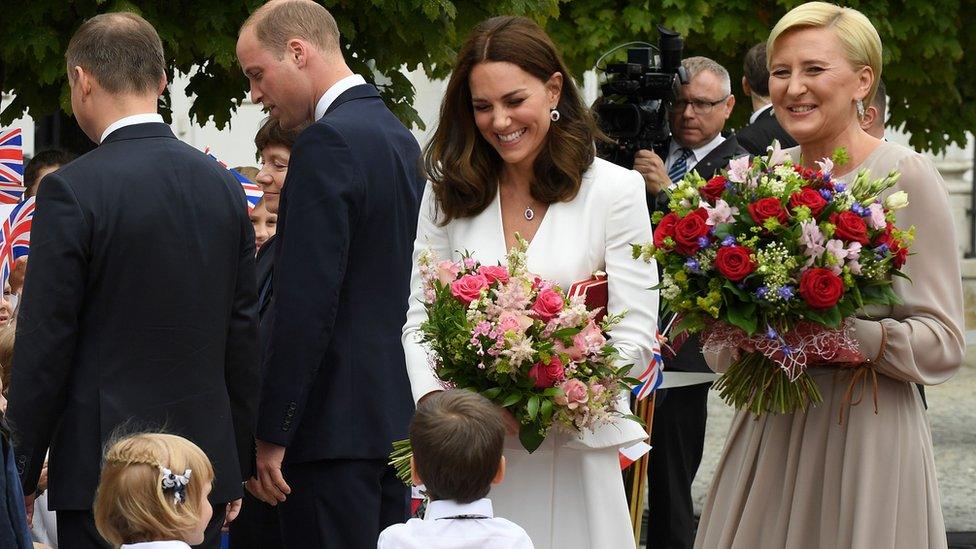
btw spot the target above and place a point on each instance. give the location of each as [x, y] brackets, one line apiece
[335, 394]
[763, 127]
[139, 305]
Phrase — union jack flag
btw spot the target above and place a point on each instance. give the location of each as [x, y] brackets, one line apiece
[15, 234]
[252, 192]
[653, 375]
[11, 166]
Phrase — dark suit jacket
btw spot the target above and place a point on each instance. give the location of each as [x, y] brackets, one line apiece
[689, 357]
[759, 135]
[335, 382]
[264, 263]
[138, 313]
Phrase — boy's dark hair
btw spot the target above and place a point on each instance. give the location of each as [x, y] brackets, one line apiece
[457, 438]
[755, 71]
[271, 133]
[41, 160]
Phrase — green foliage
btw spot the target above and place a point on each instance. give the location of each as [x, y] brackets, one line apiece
[930, 81]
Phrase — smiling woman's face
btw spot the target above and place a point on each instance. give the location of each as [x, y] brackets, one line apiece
[511, 109]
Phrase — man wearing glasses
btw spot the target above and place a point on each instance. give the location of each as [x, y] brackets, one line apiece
[697, 118]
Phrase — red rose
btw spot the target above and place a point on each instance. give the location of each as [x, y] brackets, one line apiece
[548, 304]
[688, 230]
[493, 273]
[899, 253]
[734, 262]
[821, 288]
[664, 229]
[850, 227]
[468, 287]
[764, 208]
[713, 189]
[809, 198]
[547, 375]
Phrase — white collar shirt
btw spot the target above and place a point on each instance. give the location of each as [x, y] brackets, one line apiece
[131, 121]
[758, 112]
[335, 91]
[696, 154]
[156, 545]
[451, 525]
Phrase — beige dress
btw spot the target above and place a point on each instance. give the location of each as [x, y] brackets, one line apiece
[803, 480]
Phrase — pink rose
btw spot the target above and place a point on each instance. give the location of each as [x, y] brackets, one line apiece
[447, 271]
[548, 304]
[574, 353]
[547, 375]
[513, 322]
[493, 273]
[589, 339]
[468, 287]
[574, 394]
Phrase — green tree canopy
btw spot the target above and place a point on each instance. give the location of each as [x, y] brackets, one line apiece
[930, 80]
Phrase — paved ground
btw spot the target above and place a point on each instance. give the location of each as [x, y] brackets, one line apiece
[952, 414]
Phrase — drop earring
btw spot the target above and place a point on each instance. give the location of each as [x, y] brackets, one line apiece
[860, 108]
[554, 114]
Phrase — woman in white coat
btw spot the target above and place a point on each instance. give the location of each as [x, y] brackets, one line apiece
[514, 153]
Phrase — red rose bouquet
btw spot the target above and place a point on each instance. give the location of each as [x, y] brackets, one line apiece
[771, 258]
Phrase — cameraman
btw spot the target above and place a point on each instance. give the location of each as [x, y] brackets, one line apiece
[697, 118]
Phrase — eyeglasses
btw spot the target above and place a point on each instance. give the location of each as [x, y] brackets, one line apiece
[700, 107]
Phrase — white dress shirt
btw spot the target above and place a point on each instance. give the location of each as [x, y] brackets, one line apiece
[592, 232]
[335, 91]
[448, 524]
[156, 545]
[131, 121]
[696, 154]
[755, 115]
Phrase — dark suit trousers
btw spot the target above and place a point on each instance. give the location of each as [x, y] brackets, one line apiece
[341, 503]
[76, 530]
[257, 527]
[677, 438]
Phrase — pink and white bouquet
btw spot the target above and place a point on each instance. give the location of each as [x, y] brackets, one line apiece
[519, 340]
[770, 258]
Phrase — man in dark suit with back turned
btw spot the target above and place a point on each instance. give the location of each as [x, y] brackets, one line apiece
[335, 393]
[697, 118]
[139, 305]
[763, 127]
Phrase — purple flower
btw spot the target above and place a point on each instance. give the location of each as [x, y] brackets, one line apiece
[787, 350]
[840, 187]
[771, 333]
[692, 265]
[761, 292]
[882, 249]
[703, 241]
[826, 194]
[729, 186]
[729, 241]
[786, 293]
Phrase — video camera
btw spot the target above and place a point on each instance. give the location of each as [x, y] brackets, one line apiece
[633, 108]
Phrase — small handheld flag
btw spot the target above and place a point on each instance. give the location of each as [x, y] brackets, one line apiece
[11, 165]
[15, 234]
[252, 192]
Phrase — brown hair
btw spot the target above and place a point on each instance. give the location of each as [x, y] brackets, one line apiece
[8, 334]
[457, 438]
[463, 168]
[755, 70]
[271, 133]
[279, 21]
[121, 51]
[130, 504]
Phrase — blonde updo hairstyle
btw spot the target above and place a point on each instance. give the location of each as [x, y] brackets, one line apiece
[861, 41]
[130, 504]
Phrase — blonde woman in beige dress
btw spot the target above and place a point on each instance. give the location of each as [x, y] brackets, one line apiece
[808, 480]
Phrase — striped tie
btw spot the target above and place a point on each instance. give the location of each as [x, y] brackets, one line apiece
[680, 166]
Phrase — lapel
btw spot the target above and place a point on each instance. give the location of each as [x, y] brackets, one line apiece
[362, 91]
[139, 131]
[718, 158]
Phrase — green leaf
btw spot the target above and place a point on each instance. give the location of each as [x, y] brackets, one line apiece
[511, 400]
[492, 394]
[546, 409]
[533, 406]
[742, 315]
[530, 436]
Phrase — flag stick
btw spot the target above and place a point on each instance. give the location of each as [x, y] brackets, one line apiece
[645, 411]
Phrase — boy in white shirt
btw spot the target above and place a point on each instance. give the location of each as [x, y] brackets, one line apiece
[457, 438]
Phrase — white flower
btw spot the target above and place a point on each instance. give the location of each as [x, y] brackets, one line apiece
[776, 154]
[721, 213]
[739, 169]
[826, 166]
[896, 201]
[877, 218]
[836, 249]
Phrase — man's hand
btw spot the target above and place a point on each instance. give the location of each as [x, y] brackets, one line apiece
[269, 460]
[18, 274]
[42, 481]
[29, 506]
[651, 167]
[233, 509]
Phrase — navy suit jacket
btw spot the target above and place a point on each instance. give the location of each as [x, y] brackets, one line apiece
[138, 314]
[335, 383]
[759, 135]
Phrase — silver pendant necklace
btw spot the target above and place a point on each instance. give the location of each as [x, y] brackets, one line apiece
[529, 214]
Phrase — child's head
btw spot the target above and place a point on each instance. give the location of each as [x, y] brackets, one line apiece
[138, 501]
[457, 438]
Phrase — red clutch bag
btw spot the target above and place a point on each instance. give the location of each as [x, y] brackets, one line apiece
[594, 292]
